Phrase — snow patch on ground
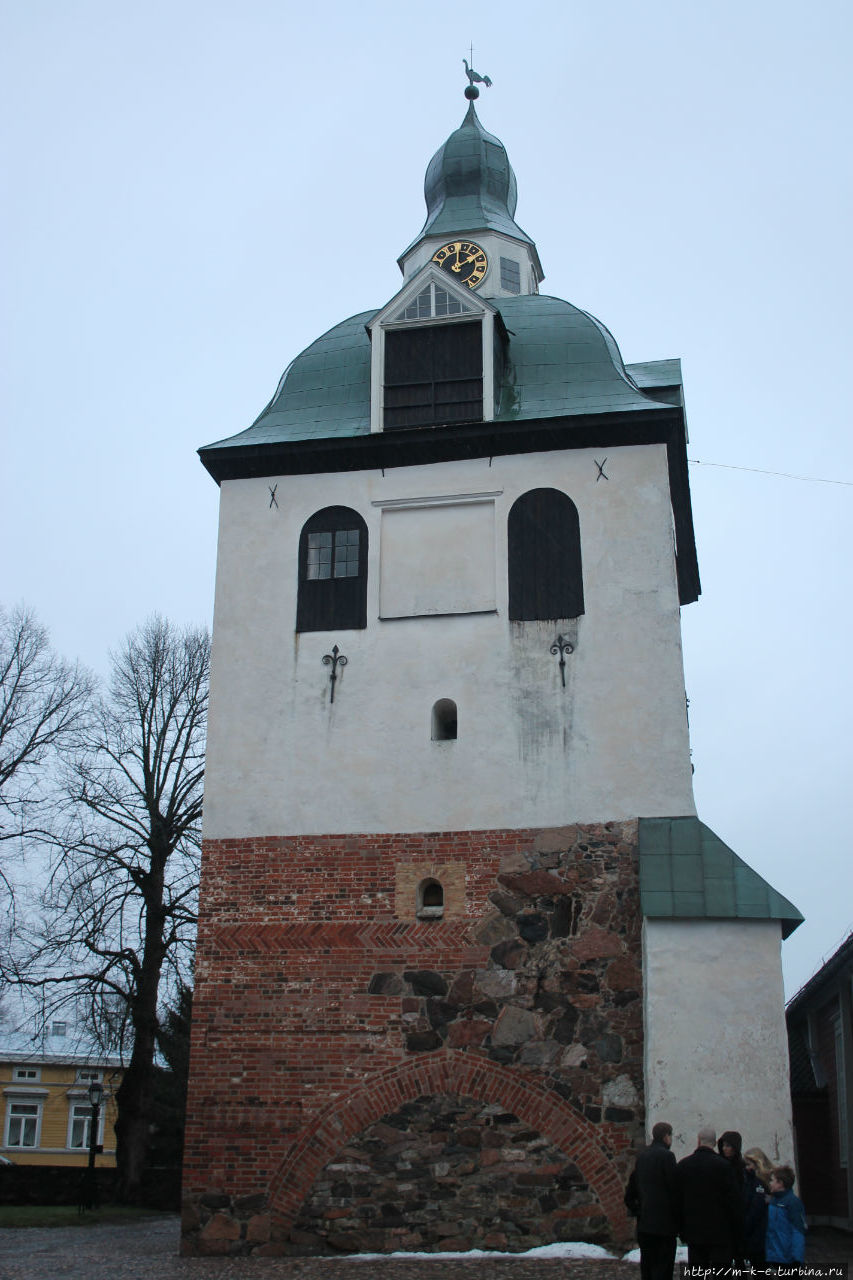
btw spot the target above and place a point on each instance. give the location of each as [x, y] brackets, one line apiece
[680, 1254]
[562, 1250]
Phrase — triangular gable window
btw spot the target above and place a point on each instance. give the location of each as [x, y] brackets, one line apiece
[431, 303]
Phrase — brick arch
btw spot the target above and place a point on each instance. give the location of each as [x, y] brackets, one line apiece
[445, 1072]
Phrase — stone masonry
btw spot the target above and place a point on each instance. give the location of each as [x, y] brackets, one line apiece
[362, 1079]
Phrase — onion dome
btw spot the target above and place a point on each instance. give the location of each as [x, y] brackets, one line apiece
[470, 187]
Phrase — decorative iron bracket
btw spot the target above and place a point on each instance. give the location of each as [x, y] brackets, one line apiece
[561, 646]
[334, 660]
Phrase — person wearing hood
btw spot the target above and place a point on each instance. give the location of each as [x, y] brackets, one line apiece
[730, 1146]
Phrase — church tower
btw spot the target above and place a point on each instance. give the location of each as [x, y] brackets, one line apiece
[462, 935]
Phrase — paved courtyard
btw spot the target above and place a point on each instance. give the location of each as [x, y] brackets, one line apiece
[148, 1251]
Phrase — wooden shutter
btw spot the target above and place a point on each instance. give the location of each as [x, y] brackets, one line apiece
[433, 374]
[545, 574]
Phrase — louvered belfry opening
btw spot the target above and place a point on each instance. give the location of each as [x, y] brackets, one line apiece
[433, 374]
[545, 575]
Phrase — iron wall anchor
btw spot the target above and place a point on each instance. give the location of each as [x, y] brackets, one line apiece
[334, 660]
[561, 646]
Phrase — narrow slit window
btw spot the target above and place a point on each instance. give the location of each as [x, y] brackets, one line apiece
[444, 720]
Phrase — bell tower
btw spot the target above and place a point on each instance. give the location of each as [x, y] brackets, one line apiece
[462, 934]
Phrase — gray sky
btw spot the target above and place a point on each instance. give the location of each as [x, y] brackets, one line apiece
[197, 190]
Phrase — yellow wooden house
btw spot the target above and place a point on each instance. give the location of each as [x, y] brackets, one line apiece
[47, 1115]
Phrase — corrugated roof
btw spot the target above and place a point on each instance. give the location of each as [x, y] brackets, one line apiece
[688, 872]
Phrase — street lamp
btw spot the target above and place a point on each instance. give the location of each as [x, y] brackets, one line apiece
[96, 1094]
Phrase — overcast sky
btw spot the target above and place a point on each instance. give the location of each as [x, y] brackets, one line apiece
[196, 191]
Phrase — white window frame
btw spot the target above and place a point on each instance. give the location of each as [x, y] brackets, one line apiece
[85, 1109]
[27, 1075]
[88, 1075]
[36, 1104]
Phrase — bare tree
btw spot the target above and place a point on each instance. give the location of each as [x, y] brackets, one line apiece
[44, 704]
[119, 909]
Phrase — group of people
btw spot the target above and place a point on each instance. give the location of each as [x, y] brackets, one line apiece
[730, 1207]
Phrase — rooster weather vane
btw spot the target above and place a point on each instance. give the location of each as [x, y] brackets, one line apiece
[474, 78]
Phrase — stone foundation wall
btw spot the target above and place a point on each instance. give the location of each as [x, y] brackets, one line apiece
[327, 1015]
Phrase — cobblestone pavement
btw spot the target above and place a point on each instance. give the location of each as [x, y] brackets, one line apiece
[148, 1251]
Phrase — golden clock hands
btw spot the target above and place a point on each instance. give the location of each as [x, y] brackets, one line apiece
[460, 261]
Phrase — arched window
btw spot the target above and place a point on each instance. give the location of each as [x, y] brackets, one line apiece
[444, 720]
[332, 571]
[430, 900]
[545, 577]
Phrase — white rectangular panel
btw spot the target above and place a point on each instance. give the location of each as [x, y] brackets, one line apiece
[437, 559]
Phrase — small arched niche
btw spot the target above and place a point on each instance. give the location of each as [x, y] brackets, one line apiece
[430, 902]
[444, 720]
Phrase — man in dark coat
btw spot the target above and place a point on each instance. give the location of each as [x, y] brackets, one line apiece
[711, 1209]
[653, 1191]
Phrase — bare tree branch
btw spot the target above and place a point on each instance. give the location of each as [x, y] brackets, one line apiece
[118, 911]
[44, 704]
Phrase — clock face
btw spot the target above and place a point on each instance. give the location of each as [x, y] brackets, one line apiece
[463, 261]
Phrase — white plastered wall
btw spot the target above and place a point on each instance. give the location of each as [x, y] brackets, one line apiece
[612, 744]
[716, 1047]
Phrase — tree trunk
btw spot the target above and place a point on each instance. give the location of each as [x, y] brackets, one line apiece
[134, 1095]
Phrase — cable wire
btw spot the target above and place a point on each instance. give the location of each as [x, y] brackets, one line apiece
[785, 475]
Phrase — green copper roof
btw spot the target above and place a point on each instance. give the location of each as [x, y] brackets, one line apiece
[560, 361]
[470, 186]
[687, 872]
[325, 391]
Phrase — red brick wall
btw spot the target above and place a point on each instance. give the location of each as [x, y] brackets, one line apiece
[322, 1004]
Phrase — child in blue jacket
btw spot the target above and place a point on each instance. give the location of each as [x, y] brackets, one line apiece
[786, 1220]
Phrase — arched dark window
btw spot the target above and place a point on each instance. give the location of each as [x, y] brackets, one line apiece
[430, 900]
[444, 720]
[332, 571]
[545, 577]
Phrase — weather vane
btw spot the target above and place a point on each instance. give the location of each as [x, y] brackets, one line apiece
[474, 78]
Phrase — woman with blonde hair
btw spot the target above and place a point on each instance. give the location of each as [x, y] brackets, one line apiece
[757, 1172]
[761, 1166]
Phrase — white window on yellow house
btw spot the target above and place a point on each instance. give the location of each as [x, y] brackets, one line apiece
[26, 1073]
[85, 1075]
[79, 1126]
[22, 1124]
